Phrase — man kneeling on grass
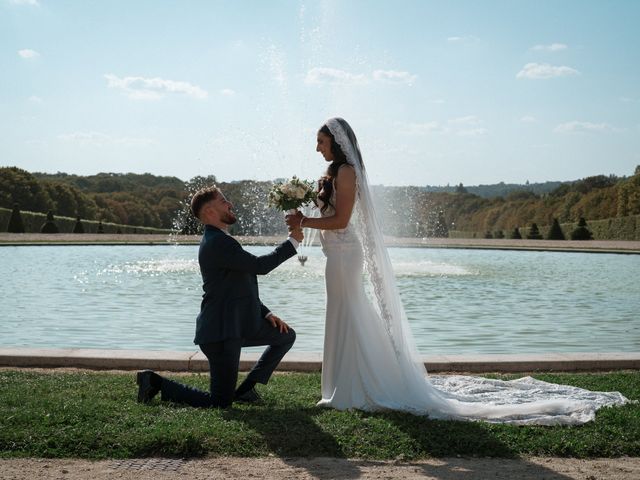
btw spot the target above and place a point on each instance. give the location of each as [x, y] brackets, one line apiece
[231, 316]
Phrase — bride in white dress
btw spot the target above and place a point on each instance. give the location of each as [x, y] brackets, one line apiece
[370, 360]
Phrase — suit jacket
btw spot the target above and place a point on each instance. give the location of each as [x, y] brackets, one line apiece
[231, 306]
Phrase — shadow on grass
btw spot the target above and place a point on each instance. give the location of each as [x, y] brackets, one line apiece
[472, 443]
[302, 439]
[292, 433]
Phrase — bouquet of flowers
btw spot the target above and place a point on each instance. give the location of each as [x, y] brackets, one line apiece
[292, 194]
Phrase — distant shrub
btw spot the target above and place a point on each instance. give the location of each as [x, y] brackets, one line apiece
[32, 221]
[488, 234]
[499, 234]
[78, 227]
[555, 232]
[16, 225]
[49, 226]
[581, 232]
[534, 233]
[516, 234]
[101, 228]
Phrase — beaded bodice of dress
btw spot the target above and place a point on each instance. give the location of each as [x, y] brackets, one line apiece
[340, 238]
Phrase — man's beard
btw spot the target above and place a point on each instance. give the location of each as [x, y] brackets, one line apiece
[229, 218]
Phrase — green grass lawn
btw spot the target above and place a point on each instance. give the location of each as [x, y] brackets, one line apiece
[95, 415]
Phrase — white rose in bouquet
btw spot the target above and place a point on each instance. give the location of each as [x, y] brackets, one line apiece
[292, 194]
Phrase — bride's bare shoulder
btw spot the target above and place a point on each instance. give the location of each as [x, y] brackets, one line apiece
[346, 167]
[346, 176]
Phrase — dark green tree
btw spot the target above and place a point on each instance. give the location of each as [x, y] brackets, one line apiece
[17, 185]
[78, 227]
[516, 234]
[534, 233]
[555, 232]
[16, 225]
[581, 232]
[499, 234]
[49, 226]
[488, 234]
[100, 227]
[460, 188]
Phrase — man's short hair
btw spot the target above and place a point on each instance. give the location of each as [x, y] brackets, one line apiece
[202, 196]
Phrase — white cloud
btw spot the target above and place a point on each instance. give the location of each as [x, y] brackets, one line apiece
[472, 132]
[394, 76]
[581, 127]
[141, 88]
[28, 53]
[554, 47]
[318, 75]
[33, 3]
[227, 92]
[102, 139]
[420, 129]
[462, 39]
[528, 119]
[468, 126]
[35, 99]
[544, 70]
[35, 142]
[469, 120]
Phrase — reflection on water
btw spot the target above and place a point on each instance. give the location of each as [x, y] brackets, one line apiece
[457, 301]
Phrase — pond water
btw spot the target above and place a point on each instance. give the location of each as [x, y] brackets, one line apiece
[458, 301]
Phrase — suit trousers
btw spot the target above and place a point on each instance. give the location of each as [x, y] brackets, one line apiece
[224, 360]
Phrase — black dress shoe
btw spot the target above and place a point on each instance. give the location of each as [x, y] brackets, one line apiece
[148, 385]
[250, 396]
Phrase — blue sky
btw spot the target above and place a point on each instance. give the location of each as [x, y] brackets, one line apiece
[437, 92]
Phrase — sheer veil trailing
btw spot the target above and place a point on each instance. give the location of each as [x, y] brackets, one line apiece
[522, 401]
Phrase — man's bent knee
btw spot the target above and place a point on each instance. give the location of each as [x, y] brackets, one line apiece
[291, 334]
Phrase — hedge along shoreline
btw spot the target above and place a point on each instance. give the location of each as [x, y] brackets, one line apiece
[617, 228]
[33, 221]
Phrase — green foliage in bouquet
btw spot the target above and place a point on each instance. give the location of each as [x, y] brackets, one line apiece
[292, 194]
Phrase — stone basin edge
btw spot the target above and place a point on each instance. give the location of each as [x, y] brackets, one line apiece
[195, 361]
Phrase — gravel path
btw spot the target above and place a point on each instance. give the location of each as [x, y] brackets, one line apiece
[225, 468]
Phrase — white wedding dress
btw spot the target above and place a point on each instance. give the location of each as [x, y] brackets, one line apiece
[370, 361]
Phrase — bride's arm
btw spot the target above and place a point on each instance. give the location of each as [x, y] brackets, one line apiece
[345, 186]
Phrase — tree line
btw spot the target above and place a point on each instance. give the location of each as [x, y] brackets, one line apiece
[147, 200]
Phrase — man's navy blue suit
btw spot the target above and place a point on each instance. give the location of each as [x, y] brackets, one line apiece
[231, 317]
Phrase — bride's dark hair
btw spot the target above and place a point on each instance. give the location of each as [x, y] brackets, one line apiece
[325, 184]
